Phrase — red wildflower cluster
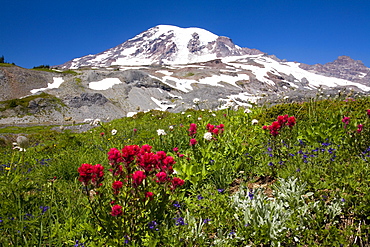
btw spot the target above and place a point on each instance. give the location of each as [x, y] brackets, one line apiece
[138, 177]
[117, 185]
[152, 162]
[192, 129]
[282, 121]
[114, 156]
[291, 121]
[93, 174]
[176, 182]
[360, 128]
[161, 176]
[368, 112]
[116, 211]
[149, 163]
[136, 172]
[215, 129]
[346, 121]
[193, 142]
[149, 195]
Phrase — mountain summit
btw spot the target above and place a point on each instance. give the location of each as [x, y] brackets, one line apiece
[164, 44]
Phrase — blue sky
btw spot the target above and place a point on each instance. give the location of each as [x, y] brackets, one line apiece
[40, 32]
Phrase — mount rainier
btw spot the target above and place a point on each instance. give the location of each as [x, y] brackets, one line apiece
[165, 68]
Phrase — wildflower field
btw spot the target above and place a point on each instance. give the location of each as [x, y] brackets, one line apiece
[287, 175]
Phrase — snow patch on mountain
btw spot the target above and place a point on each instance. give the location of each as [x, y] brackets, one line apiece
[162, 106]
[57, 81]
[184, 85]
[269, 65]
[104, 84]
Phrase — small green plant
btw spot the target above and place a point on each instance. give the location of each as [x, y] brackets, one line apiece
[289, 212]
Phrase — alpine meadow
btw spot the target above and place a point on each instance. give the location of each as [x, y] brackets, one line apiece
[292, 174]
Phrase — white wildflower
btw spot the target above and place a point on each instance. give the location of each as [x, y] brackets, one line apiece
[196, 101]
[171, 127]
[208, 136]
[188, 116]
[114, 131]
[161, 132]
[254, 121]
[199, 118]
[247, 111]
[214, 115]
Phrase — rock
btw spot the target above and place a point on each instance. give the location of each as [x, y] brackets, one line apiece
[87, 99]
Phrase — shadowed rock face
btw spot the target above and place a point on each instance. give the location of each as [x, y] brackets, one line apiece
[87, 99]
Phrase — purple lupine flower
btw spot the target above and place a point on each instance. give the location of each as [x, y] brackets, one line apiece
[153, 225]
[251, 194]
[180, 221]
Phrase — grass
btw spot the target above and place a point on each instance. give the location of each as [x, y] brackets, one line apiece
[306, 186]
[6, 65]
[24, 102]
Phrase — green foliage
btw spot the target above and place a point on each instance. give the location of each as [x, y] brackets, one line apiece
[7, 64]
[308, 184]
[24, 102]
[42, 67]
[69, 71]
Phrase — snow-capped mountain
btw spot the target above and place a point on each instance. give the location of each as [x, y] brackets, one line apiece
[211, 59]
[166, 68]
[164, 44]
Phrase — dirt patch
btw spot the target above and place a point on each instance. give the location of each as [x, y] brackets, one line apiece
[264, 182]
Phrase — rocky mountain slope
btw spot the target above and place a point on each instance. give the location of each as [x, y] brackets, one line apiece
[16, 82]
[344, 67]
[166, 68]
